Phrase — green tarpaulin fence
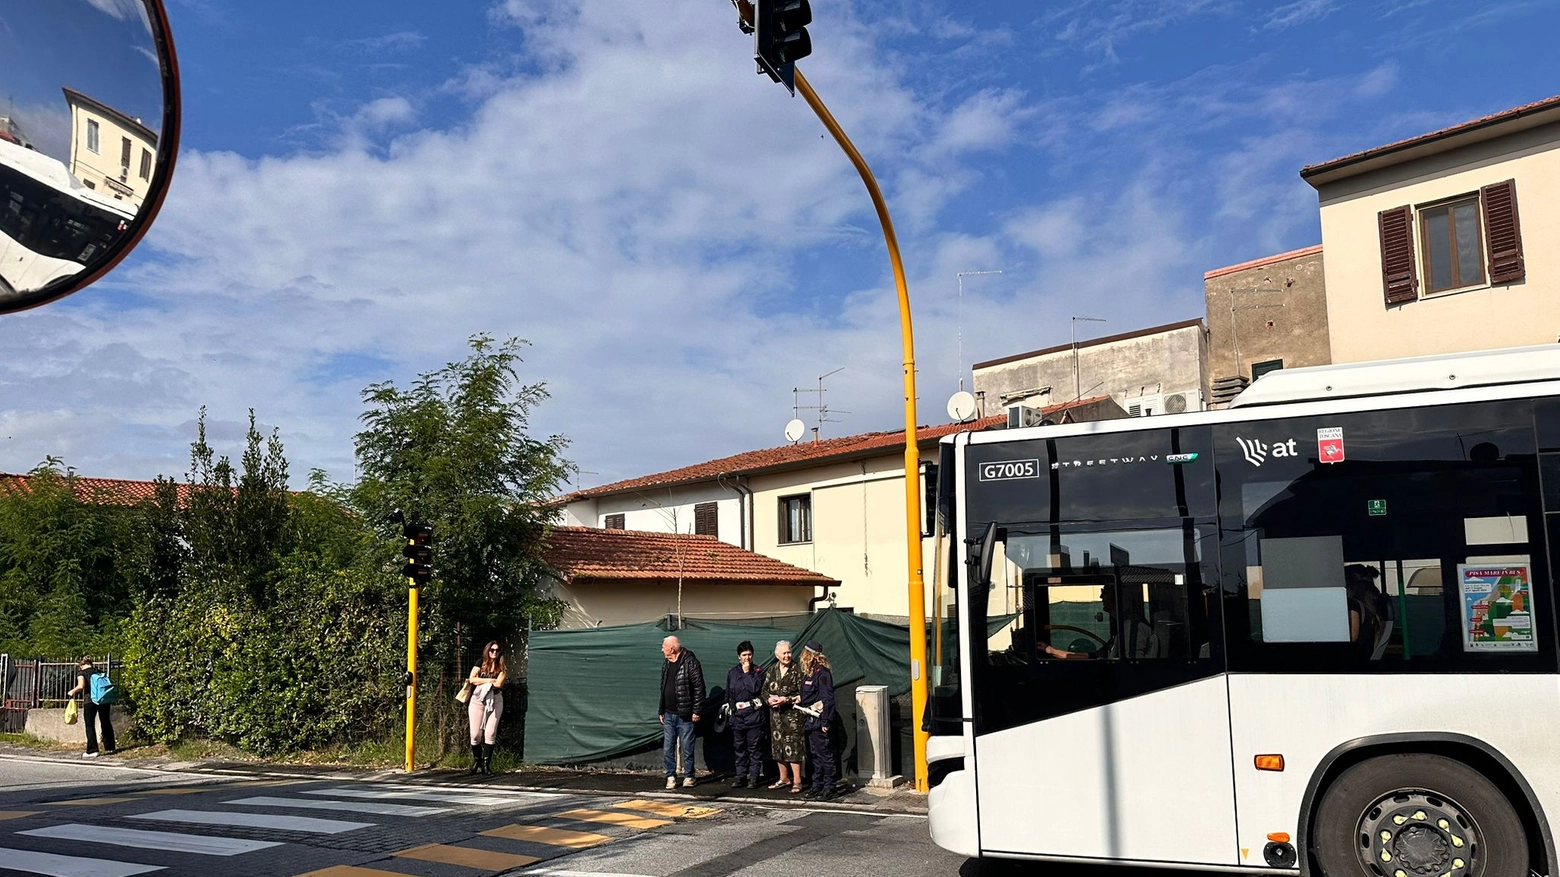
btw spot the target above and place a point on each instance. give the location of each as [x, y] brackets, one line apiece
[593, 692]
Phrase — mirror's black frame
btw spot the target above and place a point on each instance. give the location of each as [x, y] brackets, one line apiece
[167, 154]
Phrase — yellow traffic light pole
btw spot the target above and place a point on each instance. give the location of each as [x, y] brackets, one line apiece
[918, 671]
[411, 671]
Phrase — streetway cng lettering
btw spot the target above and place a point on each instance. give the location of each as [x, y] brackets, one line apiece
[1257, 451]
[1009, 470]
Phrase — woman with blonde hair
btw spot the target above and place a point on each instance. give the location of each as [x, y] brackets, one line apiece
[787, 740]
[817, 701]
[486, 705]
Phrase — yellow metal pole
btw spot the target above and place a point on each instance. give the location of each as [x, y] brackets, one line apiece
[912, 449]
[411, 668]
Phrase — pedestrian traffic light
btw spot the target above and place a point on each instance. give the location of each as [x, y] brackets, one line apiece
[419, 553]
[780, 38]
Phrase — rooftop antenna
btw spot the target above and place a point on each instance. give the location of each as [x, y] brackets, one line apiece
[961, 276]
[822, 407]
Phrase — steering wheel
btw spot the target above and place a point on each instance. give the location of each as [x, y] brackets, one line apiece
[1069, 627]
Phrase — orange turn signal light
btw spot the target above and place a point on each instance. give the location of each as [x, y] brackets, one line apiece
[1279, 837]
[1270, 762]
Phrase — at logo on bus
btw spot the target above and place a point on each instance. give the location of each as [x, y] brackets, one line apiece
[1256, 451]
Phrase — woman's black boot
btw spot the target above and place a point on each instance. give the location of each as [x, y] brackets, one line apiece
[487, 758]
[476, 758]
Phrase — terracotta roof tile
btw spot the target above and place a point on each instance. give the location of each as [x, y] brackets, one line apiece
[1494, 118]
[108, 491]
[790, 456]
[1265, 260]
[588, 553]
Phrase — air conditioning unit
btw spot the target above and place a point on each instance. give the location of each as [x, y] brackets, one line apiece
[1020, 416]
[1146, 406]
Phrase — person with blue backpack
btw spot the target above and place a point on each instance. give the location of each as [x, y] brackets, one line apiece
[101, 695]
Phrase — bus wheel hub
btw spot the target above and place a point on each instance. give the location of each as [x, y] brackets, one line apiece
[1415, 834]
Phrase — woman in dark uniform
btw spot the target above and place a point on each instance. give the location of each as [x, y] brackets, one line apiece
[744, 687]
[818, 702]
[787, 740]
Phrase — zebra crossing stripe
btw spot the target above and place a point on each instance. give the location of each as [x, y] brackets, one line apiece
[255, 820]
[451, 797]
[52, 865]
[351, 871]
[375, 807]
[467, 857]
[660, 808]
[628, 820]
[151, 840]
[556, 837]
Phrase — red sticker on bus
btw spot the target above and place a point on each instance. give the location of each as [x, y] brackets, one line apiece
[1329, 444]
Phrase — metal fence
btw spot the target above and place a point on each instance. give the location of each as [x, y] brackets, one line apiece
[33, 683]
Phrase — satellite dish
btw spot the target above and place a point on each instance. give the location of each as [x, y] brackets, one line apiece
[795, 430]
[961, 407]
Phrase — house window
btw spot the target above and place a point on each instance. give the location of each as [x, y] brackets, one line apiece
[612, 522]
[795, 519]
[89, 184]
[1258, 369]
[1462, 242]
[1449, 244]
[124, 153]
[92, 136]
[705, 522]
[146, 164]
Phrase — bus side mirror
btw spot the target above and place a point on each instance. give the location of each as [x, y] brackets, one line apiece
[88, 137]
[980, 558]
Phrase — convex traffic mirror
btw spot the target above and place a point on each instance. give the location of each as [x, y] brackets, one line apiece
[89, 127]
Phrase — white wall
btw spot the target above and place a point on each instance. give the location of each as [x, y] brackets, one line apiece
[662, 510]
[633, 602]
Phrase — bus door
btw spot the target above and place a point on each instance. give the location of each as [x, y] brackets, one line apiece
[1101, 712]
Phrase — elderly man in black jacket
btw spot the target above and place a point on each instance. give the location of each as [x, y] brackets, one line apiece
[682, 692]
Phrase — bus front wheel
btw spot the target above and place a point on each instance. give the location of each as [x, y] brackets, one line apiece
[1417, 815]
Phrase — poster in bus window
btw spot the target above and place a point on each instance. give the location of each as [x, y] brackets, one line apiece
[1497, 607]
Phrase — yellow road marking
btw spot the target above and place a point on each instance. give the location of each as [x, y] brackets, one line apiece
[661, 808]
[625, 819]
[89, 802]
[17, 814]
[351, 871]
[556, 837]
[466, 857]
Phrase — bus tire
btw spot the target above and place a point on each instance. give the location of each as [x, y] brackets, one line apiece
[1417, 815]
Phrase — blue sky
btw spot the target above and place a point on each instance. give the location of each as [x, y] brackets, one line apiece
[364, 185]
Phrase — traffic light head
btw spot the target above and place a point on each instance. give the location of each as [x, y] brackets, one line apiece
[780, 38]
[419, 553]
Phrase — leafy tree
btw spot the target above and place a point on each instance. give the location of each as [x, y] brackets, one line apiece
[454, 451]
[63, 589]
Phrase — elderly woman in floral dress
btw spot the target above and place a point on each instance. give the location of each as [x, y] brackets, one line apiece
[787, 740]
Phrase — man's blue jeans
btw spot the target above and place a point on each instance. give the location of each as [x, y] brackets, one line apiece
[674, 729]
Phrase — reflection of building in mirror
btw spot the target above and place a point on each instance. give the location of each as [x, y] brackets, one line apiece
[51, 225]
[109, 151]
[11, 132]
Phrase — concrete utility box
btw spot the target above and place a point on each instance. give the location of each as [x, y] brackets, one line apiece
[874, 749]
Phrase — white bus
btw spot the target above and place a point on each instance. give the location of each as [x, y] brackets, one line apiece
[51, 225]
[1312, 633]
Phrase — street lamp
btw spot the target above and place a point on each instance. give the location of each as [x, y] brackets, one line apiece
[962, 275]
[1077, 391]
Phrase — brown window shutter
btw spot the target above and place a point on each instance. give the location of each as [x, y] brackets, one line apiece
[1398, 277]
[1502, 232]
[613, 522]
[705, 521]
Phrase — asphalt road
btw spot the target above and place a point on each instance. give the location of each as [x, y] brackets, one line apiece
[101, 819]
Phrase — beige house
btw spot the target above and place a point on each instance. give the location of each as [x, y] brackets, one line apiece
[609, 577]
[835, 507]
[1265, 314]
[1424, 239]
[1158, 370]
[109, 151]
